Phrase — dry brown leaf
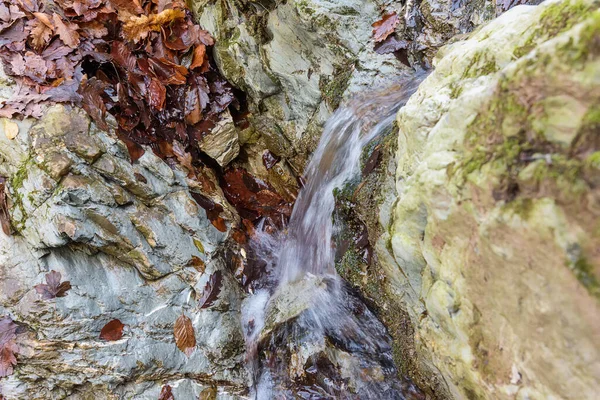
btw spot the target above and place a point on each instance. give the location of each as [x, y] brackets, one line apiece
[11, 129]
[40, 32]
[66, 31]
[138, 28]
[184, 335]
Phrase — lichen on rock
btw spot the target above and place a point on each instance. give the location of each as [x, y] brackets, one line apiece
[495, 229]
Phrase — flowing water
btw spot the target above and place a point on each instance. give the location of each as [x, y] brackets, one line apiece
[308, 334]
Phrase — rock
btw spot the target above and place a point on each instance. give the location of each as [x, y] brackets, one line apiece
[493, 238]
[126, 236]
[222, 144]
[295, 60]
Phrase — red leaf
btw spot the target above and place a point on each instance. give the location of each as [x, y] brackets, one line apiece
[112, 330]
[184, 335]
[157, 93]
[385, 26]
[121, 54]
[53, 287]
[211, 290]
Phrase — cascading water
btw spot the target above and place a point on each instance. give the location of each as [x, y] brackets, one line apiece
[308, 335]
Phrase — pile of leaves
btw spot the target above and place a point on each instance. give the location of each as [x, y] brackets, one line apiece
[144, 62]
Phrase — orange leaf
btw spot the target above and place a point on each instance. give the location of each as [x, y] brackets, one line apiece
[385, 26]
[184, 335]
[199, 56]
[138, 28]
[112, 330]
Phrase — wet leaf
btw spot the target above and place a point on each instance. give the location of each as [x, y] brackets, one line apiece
[157, 94]
[53, 286]
[92, 92]
[184, 335]
[385, 26]
[113, 330]
[8, 346]
[211, 290]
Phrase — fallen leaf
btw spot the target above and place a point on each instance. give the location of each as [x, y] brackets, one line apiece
[92, 92]
[67, 32]
[198, 264]
[11, 129]
[166, 393]
[138, 28]
[385, 26]
[53, 287]
[113, 330]
[41, 30]
[211, 290]
[8, 346]
[157, 94]
[184, 335]
[199, 56]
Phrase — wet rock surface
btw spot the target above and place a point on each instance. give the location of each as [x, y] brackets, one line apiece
[321, 341]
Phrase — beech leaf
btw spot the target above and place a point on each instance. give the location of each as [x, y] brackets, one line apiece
[113, 330]
[53, 286]
[385, 26]
[211, 290]
[185, 338]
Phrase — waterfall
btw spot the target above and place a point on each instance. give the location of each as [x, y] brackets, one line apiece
[304, 321]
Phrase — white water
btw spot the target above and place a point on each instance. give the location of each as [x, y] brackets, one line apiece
[300, 265]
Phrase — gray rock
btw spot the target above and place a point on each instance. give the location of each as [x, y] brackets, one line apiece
[124, 235]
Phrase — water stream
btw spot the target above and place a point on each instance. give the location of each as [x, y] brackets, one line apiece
[308, 334]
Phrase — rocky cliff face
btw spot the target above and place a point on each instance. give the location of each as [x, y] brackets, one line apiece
[492, 240]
